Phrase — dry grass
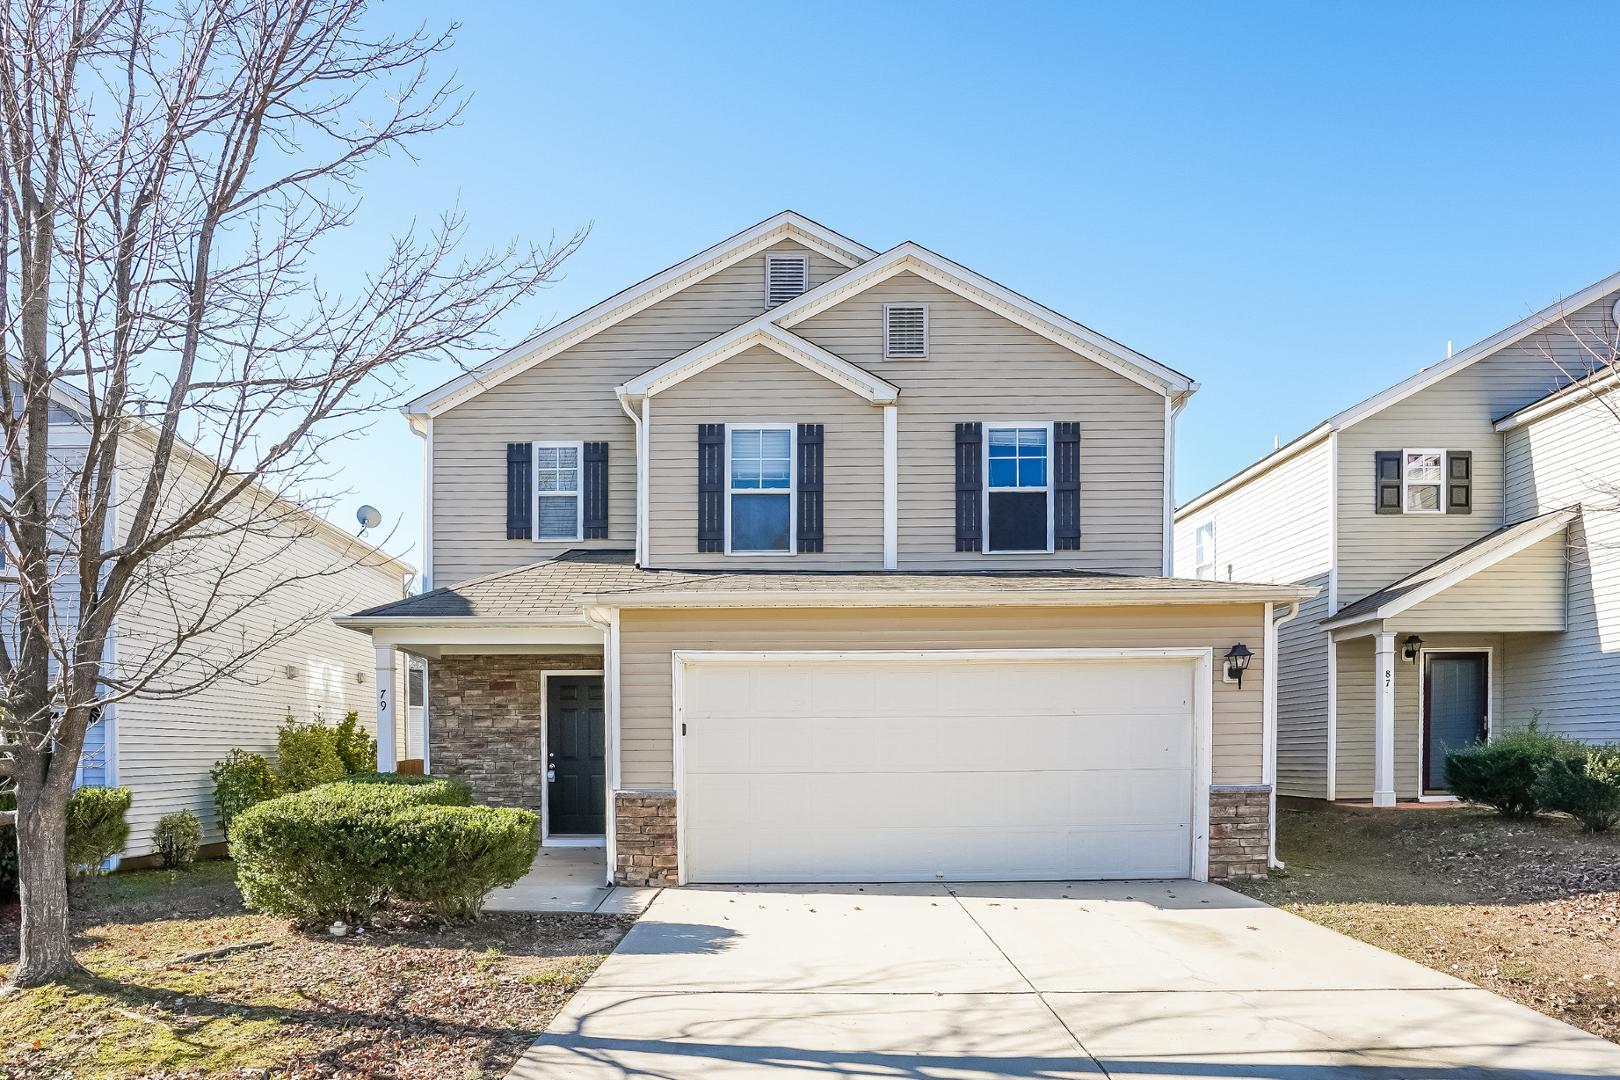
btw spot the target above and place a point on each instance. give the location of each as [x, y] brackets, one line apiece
[405, 1002]
[1528, 909]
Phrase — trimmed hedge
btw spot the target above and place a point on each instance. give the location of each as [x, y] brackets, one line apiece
[97, 825]
[177, 837]
[340, 851]
[1586, 788]
[1502, 773]
[440, 790]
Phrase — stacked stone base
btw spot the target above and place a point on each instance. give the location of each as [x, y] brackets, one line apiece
[1239, 831]
[644, 838]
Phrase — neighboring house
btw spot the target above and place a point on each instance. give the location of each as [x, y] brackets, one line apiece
[161, 747]
[1462, 528]
[800, 561]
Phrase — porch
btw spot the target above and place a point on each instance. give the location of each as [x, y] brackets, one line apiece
[570, 879]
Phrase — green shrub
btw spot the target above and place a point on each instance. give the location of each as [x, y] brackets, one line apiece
[442, 790]
[306, 755]
[356, 749]
[342, 850]
[240, 781]
[177, 837]
[1586, 788]
[1502, 773]
[97, 825]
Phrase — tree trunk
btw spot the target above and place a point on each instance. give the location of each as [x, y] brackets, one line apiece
[47, 951]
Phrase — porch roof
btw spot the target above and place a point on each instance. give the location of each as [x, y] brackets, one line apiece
[1447, 573]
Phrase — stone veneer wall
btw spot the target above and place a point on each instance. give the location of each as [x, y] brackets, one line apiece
[1239, 831]
[644, 838]
[484, 723]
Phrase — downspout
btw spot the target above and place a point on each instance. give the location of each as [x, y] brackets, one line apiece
[641, 478]
[1268, 768]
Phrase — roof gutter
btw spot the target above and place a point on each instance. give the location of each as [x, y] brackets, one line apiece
[935, 598]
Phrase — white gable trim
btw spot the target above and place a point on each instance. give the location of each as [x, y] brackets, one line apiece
[806, 354]
[615, 309]
[1592, 388]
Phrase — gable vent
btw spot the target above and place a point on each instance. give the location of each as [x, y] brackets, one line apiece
[905, 330]
[786, 276]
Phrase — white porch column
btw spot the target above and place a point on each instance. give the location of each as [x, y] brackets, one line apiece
[1384, 721]
[891, 487]
[387, 760]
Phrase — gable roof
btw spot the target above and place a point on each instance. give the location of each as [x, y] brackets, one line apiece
[1596, 384]
[787, 225]
[1421, 380]
[806, 354]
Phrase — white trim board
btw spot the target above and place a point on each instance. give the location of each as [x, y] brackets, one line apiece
[806, 354]
[1201, 658]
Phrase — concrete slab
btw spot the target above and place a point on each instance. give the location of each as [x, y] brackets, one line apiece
[569, 879]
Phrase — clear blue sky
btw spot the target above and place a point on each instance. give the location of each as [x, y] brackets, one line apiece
[1295, 205]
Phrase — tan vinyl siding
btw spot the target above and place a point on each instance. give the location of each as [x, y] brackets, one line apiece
[1456, 413]
[1523, 592]
[648, 638]
[1356, 705]
[982, 367]
[762, 386]
[570, 397]
[1278, 529]
[1572, 679]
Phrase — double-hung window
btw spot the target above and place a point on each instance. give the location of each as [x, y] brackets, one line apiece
[1423, 476]
[759, 489]
[558, 507]
[1018, 487]
[1204, 551]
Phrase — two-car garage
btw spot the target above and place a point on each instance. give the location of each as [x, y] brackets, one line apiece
[1007, 764]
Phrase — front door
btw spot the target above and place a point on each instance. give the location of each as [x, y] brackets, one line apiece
[1455, 709]
[576, 757]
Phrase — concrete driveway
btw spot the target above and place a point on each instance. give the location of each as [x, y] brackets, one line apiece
[1159, 980]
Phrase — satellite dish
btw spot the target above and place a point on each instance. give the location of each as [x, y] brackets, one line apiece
[370, 517]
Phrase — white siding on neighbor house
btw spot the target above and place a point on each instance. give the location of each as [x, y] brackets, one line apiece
[1456, 413]
[1524, 592]
[762, 386]
[1572, 679]
[570, 397]
[983, 367]
[165, 747]
[1277, 528]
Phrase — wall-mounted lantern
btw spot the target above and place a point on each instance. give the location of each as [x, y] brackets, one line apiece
[1237, 662]
[1410, 647]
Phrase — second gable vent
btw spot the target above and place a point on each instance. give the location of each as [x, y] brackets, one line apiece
[905, 330]
[786, 276]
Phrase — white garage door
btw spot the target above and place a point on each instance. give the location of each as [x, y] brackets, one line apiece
[1026, 765]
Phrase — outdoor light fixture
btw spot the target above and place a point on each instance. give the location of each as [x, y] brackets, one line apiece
[292, 671]
[1237, 662]
[1410, 647]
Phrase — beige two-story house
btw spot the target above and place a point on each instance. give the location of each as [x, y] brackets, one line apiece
[1461, 527]
[800, 561]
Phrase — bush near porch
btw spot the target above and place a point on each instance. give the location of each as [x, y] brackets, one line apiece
[1523, 772]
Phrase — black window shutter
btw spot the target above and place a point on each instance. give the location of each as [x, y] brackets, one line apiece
[1459, 481]
[711, 524]
[969, 487]
[519, 491]
[811, 454]
[1066, 486]
[1387, 481]
[595, 490]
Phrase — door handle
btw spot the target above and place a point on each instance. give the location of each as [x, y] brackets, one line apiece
[551, 776]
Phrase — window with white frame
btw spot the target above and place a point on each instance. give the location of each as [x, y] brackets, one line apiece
[1423, 477]
[558, 507]
[759, 489]
[1204, 551]
[1018, 487]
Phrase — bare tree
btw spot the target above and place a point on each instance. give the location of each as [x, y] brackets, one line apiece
[168, 173]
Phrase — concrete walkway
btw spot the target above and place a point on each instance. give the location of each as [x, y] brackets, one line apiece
[1150, 980]
[569, 879]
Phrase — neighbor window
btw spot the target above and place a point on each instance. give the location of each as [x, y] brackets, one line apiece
[1018, 487]
[759, 472]
[1423, 474]
[556, 488]
[1204, 551]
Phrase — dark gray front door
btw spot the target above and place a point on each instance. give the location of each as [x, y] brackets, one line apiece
[1455, 708]
[576, 757]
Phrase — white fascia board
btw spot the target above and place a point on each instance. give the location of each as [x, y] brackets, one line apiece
[621, 305]
[995, 297]
[1482, 559]
[805, 353]
[1266, 464]
[1596, 386]
[990, 597]
[565, 630]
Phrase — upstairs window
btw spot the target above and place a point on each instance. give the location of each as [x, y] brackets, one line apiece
[786, 276]
[759, 489]
[1423, 474]
[905, 331]
[1018, 487]
[557, 503]
[1204, 551]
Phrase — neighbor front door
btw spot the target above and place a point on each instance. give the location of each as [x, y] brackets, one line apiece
[1455, 709]
[576, 758]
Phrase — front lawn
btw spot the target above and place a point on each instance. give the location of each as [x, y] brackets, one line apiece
[1528, 909]
[408, 1002]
